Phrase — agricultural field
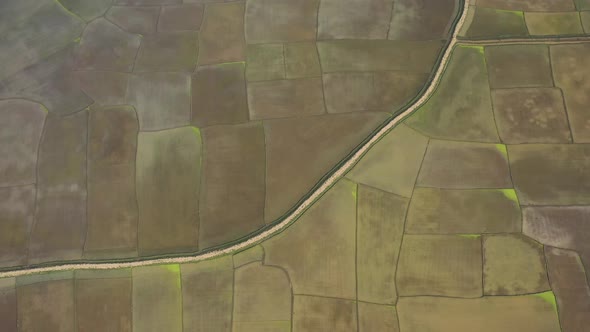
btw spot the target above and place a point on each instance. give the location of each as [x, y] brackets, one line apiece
[149, 127]
[526, 19]
[470, 214]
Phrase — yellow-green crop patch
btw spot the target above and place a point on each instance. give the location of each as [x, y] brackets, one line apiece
[475, 47]
[510, 194]
[470, 236]
[549, 297]
[502, 149]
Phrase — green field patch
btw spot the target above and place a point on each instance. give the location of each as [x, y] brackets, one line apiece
[549, 297]
[175, 268]
[514, 12]
[197, 131]
[470, 236]
[502, 149]
[231, 63]
[510, 194]
[475, 47]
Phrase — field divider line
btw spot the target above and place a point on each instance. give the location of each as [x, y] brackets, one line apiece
[552, 40]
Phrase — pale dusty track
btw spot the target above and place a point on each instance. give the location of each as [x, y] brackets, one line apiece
[339, 173]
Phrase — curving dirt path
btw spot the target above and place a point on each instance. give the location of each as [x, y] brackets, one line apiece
[140, 151]
[329, 182]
